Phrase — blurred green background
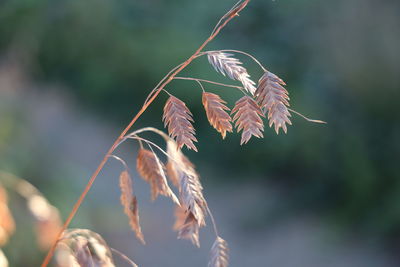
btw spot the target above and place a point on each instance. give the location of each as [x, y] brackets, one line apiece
[340, 59]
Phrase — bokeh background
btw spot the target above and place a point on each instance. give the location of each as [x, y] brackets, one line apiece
[73, 73]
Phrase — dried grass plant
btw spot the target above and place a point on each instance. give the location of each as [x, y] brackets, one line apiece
[83, 247]
[77, 247]
[46, 219]
[266, 99]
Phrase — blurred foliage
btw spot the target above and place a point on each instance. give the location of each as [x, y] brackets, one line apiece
[340, 60]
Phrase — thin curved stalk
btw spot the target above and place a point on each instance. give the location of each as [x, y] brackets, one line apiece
[123, 256]
[159, 83]
[224, 16]
[201, 86]
[208, 81]
[146, 129]
[150, 143]
[151, 129]
[121, 161]
[213, 221]
[307, 119]
[230, 15]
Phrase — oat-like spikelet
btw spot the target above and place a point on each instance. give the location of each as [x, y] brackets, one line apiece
[191, 195]
[279, 115]
[178, 162]
[7, 224]
[190, 216]
[227, 65]
[248, 118]
[151, 170]
[129, 202]
[86, 248]
[180, 217]
[179, 120]
[172, 173]
[190, 229]
[186, 225]
[274, 98]
[219, 253]
[190, 188]
[216, 113]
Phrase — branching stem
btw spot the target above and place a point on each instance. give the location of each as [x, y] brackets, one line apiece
[150, 143]
[208, 81]
[121, 161]
[153, 95]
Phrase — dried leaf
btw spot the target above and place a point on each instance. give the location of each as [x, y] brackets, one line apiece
[151, 170]
[216, 114]
[274, 98]
[248, 118]
[219, 253]
[129, 202]
[227, 65]
[179, 120]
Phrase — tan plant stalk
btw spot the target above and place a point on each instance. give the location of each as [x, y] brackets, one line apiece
[221, 24]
